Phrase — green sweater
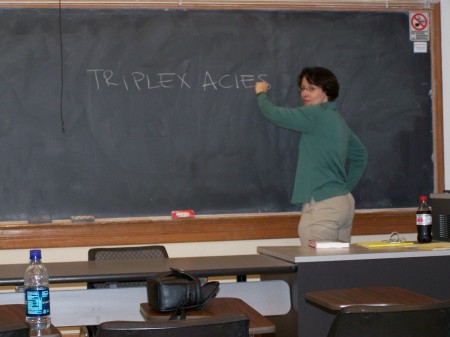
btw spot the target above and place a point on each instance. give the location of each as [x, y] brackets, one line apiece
[325, 146]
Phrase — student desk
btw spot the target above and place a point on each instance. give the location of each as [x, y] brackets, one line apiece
[423, 271]
[219, 306]
[16, 313]
[92, 306]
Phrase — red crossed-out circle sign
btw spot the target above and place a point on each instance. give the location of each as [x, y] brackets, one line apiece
[419, 21]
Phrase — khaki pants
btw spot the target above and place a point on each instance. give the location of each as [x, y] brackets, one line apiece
[329, 219]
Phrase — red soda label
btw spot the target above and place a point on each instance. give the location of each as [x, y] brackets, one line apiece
[423, 219]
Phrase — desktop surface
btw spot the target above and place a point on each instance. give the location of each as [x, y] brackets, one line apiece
[16, 313]
[258, 323]
[304, 254]
[131, 270]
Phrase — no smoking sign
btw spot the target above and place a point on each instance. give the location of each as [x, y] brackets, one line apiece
[419, 26]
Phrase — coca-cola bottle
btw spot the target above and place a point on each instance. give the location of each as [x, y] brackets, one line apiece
[423, 221]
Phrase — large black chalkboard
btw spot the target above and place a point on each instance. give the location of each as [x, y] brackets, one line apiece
[159, 111]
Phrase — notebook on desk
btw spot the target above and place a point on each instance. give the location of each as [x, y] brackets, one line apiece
[328, 244]
[407, 244]
[381, 244]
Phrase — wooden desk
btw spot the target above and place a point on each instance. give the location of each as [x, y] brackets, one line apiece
[421, 271]
[337, 299]
[217, 306]
[16, 313]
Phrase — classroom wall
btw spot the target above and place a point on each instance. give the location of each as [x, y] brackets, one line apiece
[249, 247]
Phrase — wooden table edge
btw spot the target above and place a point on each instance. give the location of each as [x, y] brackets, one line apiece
[314, 299]
[270, 328]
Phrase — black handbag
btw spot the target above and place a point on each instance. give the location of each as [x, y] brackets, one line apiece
[178, 291]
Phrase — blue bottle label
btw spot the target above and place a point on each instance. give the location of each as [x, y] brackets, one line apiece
[37, 301]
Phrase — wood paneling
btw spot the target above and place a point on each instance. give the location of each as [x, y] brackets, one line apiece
[131, 231]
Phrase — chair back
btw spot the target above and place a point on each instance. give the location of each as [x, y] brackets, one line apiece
[230, 325]
[16, 329]
[427, 320]
[125, 253]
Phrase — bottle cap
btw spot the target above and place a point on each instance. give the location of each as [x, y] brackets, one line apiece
[35, 254]
[423, 198]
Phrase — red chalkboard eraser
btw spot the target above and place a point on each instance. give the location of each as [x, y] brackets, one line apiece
[188, 213]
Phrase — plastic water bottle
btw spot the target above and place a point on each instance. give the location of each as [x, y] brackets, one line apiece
[423, 221]
[37, 294]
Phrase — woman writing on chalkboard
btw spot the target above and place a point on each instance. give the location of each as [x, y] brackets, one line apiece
[322, 184]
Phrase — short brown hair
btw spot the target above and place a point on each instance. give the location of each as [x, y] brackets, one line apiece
[323, 78]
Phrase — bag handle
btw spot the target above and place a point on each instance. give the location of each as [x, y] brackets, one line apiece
[208, 290]
[180, 313]
[181, 273]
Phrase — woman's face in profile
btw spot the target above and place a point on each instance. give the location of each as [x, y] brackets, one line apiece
[311, 94]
